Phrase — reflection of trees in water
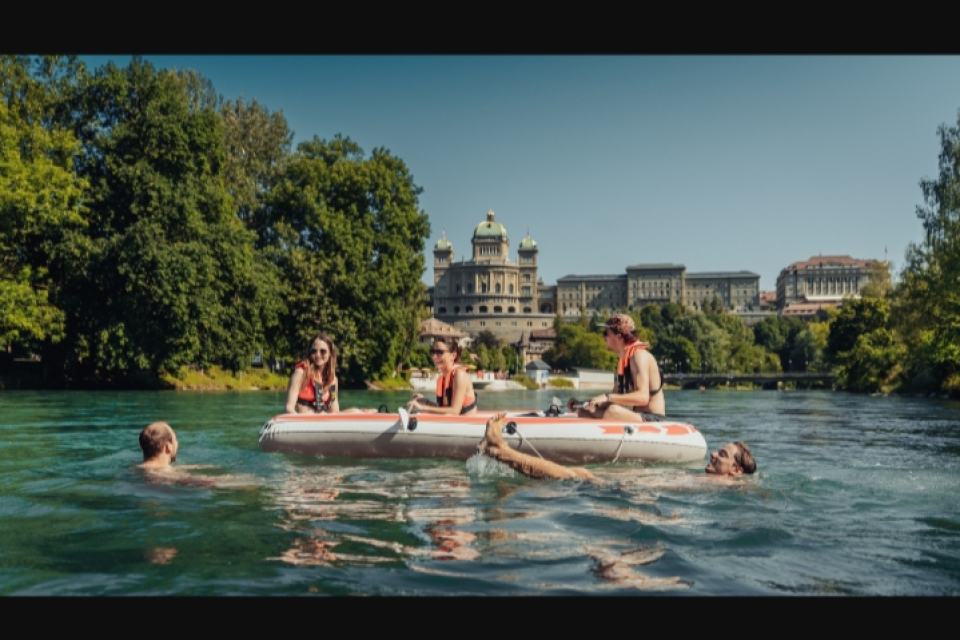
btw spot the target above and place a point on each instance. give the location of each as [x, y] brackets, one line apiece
[459, 520]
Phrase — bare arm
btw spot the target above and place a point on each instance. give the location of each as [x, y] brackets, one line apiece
[461, 382]
[294, 390]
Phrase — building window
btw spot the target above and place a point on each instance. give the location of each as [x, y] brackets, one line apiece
[513, 324]
[510, 289]
[442, 310]
[483, 287]
[512, 310]
[470, 288]
[497, 288]
[544, 323]
[469, 309]
[529, 324]
[496, 324]
[456, 309]
[498, 309]
[483, 309]
[482, 323]
[526, 277]
[526, 310]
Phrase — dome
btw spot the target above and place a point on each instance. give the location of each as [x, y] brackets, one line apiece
[528, 243]
[490, 229]
[443, 244]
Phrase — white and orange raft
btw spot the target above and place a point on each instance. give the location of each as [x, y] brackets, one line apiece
[562, 438]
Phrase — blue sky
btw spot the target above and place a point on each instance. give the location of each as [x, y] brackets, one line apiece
[715, 162]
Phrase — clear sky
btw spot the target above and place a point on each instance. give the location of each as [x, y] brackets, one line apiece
[715, 162]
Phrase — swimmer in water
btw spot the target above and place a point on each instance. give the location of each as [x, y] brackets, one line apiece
[159, 444]
[730, 460]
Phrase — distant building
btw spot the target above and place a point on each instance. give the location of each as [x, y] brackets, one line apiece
[490, 291]
[431, 328]
[739, 291]
[824, 280]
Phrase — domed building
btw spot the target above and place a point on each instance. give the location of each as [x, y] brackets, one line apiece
[490, 291]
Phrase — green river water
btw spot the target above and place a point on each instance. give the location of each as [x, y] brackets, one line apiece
[855, 495]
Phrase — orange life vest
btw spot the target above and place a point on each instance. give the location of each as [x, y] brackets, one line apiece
[308, 394]
[445, 391]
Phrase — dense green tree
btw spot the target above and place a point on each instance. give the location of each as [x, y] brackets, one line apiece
[810, 347]
[879, 282]
[488, 338]
[40, 199]
[173, 271]
[348, 235]
[856, 317]
[928, 302]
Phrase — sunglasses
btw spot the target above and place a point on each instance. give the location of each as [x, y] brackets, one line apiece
[437, 352]
[322, 352]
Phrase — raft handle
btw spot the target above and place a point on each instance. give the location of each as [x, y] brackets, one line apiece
[511, 427]
[412, 425]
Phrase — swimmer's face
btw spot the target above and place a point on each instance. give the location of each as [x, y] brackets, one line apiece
[723, 461]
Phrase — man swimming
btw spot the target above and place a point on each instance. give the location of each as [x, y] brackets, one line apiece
[730, 460]
[159, 445]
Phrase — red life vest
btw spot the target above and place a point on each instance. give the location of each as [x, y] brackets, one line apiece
[445, 391]
[308, 394]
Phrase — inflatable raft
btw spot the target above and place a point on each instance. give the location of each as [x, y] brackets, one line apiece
[563, 438]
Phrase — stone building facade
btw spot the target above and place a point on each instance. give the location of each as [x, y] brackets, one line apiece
[644, 284]
[822, 280]
[490, 291]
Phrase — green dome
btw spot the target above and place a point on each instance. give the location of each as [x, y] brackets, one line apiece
[443, 244]
[528, 243]
[490, 229]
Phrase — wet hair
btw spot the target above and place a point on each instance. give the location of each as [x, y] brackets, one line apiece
[329, 369]
[453, 345]
[153, 437]
[744, 458]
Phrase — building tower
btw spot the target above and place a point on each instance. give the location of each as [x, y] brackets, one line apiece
[442, 258]
[527, 258]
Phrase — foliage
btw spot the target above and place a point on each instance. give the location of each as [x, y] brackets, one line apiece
[879, 282]
[347, 234]
[40, 200]
[525, 381]
[174, 272]
[927, 304]
[487, 338]
[559, 383]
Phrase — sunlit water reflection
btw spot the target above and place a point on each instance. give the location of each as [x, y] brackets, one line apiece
[855, 495]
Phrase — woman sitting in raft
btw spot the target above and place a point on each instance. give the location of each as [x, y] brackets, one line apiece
[313, 385]
[455, 394]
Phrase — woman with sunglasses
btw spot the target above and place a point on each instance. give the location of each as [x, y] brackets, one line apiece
[313, 385]
[455, 394]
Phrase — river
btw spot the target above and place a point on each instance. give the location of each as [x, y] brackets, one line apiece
[855, 495]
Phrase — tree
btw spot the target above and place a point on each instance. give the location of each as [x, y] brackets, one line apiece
[346, 231]
[879, 283]
[174, 272]
[488, 338]
[928, 302]
[40, 200]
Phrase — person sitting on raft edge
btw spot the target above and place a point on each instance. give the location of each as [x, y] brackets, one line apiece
[638, 385]
[455, 394]
[313, 384]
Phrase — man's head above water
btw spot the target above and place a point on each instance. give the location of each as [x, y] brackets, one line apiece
[731, 460]
[159, 444]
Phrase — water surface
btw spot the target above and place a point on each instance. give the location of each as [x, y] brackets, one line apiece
[855, 495]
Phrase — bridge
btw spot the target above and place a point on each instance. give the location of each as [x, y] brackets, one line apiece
[765, 380]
